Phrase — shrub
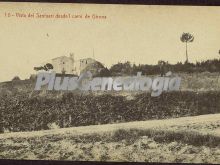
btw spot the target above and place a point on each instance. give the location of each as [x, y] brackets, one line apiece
[21, 113]
[16, 78]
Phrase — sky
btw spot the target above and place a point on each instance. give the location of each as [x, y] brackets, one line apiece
[136, 33]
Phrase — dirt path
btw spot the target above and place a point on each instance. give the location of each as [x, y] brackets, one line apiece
[204, 124]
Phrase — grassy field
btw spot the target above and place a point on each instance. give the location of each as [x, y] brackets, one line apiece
[203, 81]
[191, 139]
[188, 139]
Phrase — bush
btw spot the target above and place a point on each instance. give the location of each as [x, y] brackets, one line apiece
[127, 69]
[16, 78]
[21, 113]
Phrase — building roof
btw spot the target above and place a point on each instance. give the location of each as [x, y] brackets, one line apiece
[87, 59]
[60, 57]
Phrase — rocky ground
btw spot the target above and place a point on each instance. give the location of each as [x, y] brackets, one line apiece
[188, 139]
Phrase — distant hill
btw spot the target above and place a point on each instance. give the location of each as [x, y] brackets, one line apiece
[204, 81]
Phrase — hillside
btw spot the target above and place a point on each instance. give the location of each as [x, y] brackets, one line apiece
[23, 109]
[204, 81]
[188, 139]
[180, 126]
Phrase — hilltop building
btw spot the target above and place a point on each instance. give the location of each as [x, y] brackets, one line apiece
[64, 64]
[84, 63]
[68, 65]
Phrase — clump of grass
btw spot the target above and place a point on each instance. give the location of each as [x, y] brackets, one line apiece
[161, 136]
[129, 136]
[165, 136]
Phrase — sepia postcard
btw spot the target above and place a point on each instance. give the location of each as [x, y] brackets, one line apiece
[110, 83]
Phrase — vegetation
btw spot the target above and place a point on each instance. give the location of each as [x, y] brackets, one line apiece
[145, 145]
[126, 68]
[16, 78]
[131, 69]
[187, 38]
[46, 67]
[21, 113]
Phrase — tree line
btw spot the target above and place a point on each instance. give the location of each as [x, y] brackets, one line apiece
[161, 68]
